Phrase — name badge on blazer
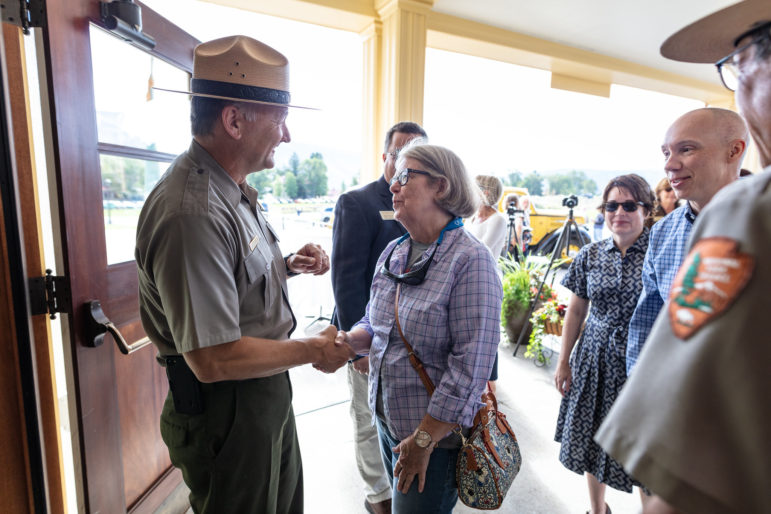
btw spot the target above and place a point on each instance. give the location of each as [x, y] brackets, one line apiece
[253, 243]
[387, 215]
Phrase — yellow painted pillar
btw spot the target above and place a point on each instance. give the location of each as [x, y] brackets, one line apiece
[372, 123]
[752, 157]
[394, 67]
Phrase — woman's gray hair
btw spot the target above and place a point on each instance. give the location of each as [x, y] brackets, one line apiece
[491, 188]
[460, 196]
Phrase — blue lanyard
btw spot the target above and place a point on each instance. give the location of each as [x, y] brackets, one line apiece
[452, 225]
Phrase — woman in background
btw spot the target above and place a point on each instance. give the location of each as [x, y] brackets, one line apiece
[666, 201]
[488, 224]
[607, 274]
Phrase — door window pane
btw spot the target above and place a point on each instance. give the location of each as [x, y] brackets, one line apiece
[128, 111]
[125, 185]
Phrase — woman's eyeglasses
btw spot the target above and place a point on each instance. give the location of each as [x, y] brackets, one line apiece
[628, 206]
[403, 176]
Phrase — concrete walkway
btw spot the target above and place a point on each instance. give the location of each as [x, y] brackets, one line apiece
[527, 396]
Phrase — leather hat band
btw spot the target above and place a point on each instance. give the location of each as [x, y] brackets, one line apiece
[239, 91]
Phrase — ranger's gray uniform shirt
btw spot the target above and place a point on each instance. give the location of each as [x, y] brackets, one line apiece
[210, 269]
[693, 422]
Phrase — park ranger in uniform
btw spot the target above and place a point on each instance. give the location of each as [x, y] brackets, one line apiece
[693, 422]
[212, 292]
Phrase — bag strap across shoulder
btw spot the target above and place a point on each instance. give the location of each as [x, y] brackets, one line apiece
[414, 360]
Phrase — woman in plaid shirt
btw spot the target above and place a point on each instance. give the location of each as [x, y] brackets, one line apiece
[449, 303]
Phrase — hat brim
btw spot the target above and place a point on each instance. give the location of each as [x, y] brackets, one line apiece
[218, 97]
[713, 37]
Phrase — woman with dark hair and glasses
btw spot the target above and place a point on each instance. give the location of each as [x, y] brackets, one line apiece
[666, 200]
[606, 273]
[436, 288]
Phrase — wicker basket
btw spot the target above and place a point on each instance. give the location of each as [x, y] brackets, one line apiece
[552, 328]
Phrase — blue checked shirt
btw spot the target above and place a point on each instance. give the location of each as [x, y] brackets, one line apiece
[666, 251]
[452, 321]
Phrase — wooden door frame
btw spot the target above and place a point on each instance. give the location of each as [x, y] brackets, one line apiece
[74, 138]
[23, 485]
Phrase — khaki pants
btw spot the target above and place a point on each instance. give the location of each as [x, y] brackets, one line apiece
[377, 485]
[241, 455]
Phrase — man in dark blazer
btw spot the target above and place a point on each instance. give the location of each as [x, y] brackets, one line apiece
[364, 224]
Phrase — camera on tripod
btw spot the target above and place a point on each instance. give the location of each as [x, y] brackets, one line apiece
[512, 210]
[570, 201]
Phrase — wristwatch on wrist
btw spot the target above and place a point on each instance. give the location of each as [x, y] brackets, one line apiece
[423, 440]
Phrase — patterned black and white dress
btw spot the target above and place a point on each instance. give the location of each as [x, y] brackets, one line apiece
[597, 364]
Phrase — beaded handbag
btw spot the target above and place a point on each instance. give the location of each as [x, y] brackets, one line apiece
[489, 458]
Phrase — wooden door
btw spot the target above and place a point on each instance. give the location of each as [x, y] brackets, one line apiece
[124, 463]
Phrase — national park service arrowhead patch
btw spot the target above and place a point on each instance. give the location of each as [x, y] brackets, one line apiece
[710, 279]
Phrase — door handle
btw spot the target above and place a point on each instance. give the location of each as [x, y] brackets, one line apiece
[98, 324]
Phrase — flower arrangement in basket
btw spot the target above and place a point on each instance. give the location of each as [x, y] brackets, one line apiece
[546, 320]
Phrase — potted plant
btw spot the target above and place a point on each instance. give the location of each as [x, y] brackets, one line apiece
[546, 320]
[520, 286]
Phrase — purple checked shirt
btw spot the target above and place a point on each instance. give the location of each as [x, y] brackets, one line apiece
[452, 321]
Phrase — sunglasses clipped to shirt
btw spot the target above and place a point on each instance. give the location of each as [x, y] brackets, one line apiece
[417, 275]
[628, 206]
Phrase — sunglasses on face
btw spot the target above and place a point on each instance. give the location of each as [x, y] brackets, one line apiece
[403, 176]
[628, 206]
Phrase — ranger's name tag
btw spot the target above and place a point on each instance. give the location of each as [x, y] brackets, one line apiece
[387, 215]
[253, 242]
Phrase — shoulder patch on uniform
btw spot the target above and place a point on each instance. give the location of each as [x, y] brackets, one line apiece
[710, 279]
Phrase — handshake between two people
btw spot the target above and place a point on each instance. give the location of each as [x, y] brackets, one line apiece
[334, 348]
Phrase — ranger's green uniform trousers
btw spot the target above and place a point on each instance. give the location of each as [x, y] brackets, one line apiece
[241, 455]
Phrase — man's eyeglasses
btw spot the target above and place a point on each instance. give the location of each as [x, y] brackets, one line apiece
[727, 68]
[403, 176]
[628, 206]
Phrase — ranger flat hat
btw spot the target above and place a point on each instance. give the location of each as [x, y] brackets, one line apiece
[713, 37]
[240, 68]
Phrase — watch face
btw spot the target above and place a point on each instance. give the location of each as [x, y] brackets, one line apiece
[422, 438]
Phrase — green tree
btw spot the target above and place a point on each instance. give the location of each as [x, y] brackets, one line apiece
[261, 180]
[122, 178]
[278, 186]
[312, 177]
[290, 186]
[573, 182]
[534, 183]
[294, 164]
[513, 179]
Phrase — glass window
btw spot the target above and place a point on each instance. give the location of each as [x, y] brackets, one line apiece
[128, 111]
[126, 183]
